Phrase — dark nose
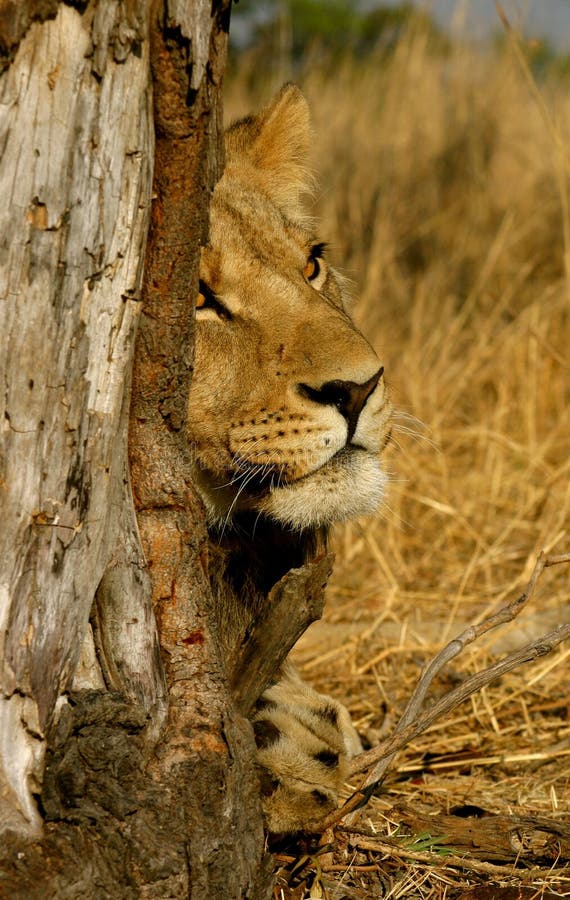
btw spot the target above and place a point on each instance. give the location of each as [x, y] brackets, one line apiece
[349, 397]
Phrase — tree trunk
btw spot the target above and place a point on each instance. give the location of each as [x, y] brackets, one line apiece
[125, 770]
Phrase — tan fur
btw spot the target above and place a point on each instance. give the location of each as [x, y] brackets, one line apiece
[288, 414]
[305, 753]
[259, 442]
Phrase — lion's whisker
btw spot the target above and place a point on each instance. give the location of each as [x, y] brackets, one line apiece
[234, 501]
[416, 436]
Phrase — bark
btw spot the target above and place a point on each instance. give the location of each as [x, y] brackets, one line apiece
[76, 177]
[206, 757]
[90, 804]
[292, 604]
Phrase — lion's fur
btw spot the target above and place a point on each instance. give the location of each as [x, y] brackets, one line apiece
[281, 448]
[259, 441]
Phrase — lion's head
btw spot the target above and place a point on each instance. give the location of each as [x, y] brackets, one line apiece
[288, 411]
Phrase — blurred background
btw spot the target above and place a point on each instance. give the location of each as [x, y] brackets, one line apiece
[442, 157]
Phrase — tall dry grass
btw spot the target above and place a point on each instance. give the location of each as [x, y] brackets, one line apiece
[447, 196]
[444, 194]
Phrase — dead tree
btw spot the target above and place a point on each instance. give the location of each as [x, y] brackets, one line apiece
[125, 767]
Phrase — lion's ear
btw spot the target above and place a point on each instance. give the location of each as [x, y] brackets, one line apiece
[273, 147]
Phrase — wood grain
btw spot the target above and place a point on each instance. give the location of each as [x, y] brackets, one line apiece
[76, 182]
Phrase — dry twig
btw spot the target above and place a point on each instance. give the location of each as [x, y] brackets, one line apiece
[415, 722]
[394, 849]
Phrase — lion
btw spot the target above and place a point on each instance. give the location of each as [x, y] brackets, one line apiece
[288, 415]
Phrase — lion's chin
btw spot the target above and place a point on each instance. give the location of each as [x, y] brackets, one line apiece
[352, 483]
[354, 486]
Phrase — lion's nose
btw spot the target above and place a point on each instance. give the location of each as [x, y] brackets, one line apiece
[349, 397]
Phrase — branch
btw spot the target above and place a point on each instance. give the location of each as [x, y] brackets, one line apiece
[494, 838]
[414, 722]
[378, 844]
[292, 604]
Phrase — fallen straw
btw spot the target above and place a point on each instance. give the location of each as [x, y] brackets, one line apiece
[414, 722]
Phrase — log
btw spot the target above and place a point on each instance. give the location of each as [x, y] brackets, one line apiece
[206, 756]
[491, 837]
[292, 604]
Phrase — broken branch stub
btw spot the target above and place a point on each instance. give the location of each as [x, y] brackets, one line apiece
[292, 604]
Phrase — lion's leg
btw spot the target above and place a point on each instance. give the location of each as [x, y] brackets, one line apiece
[305, 741]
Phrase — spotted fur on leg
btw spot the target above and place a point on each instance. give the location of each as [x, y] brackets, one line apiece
[305, 741]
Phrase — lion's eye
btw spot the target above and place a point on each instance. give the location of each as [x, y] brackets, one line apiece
[314, 267]
[205, 296]
[206, 299]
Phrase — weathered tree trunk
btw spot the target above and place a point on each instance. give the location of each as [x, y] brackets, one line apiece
[125, 770]
[76, 182]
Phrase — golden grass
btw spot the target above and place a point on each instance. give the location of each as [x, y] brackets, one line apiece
[444, 195]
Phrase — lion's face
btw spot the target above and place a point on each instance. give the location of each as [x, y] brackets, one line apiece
[288, 410]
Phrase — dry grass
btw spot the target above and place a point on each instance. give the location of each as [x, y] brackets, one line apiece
[445, 197]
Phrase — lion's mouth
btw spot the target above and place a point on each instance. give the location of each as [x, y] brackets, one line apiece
[349, 483]
[256, 480]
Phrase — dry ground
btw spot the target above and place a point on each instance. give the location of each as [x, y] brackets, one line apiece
[444, 193]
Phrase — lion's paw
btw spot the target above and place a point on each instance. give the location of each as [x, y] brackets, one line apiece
[304, 743]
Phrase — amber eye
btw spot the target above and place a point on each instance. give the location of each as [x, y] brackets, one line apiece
[312, 269]
[206, 299]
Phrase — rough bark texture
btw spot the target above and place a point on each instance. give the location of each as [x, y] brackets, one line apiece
[76, 179]
[126, 766]
[16, 16]
[206, 756]
[90, 804]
